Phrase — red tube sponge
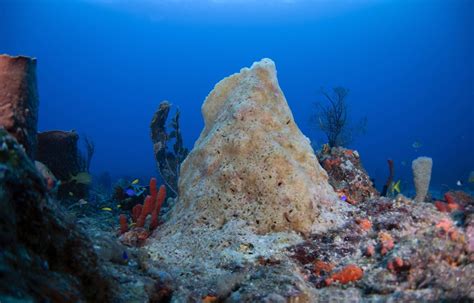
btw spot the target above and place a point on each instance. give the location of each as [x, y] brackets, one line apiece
[147, 209]
[123, 224]
[158, 203]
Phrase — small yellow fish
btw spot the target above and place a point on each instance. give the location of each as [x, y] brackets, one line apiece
[106, 208]
[71, 194]
[118, 206]
[396, 187]
[135, 181]
[82, 178]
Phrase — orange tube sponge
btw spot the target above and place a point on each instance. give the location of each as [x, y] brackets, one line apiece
[160, 198]
[136, 211]
[147, 209]
[153, 191]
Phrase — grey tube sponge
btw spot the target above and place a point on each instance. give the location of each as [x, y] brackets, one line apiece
[421, 167]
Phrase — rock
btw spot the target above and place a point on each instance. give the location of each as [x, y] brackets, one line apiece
[347, 175]
[58, 150]
[45, 257]
[421, 167]
[19, 100]
[252, 162]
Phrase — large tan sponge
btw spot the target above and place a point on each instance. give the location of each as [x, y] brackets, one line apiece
[251, 162]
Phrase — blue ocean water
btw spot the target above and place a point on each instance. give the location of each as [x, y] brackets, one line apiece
[104, 66]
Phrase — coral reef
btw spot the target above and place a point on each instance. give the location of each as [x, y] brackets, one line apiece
[19, 100]
[258, 219]
[45, 257]
[411, 253]
[169, 163]
[421, 167]
[346, 174]
[214, 250]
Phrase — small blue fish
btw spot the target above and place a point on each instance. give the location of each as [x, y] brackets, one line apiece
[130, 192]
[125, 255]
[343, 198]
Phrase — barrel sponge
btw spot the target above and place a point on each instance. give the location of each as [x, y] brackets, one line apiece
[421, 167]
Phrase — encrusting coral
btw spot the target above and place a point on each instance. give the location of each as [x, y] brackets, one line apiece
[235, 234]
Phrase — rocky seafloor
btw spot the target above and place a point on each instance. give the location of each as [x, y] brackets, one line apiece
[259, 218]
